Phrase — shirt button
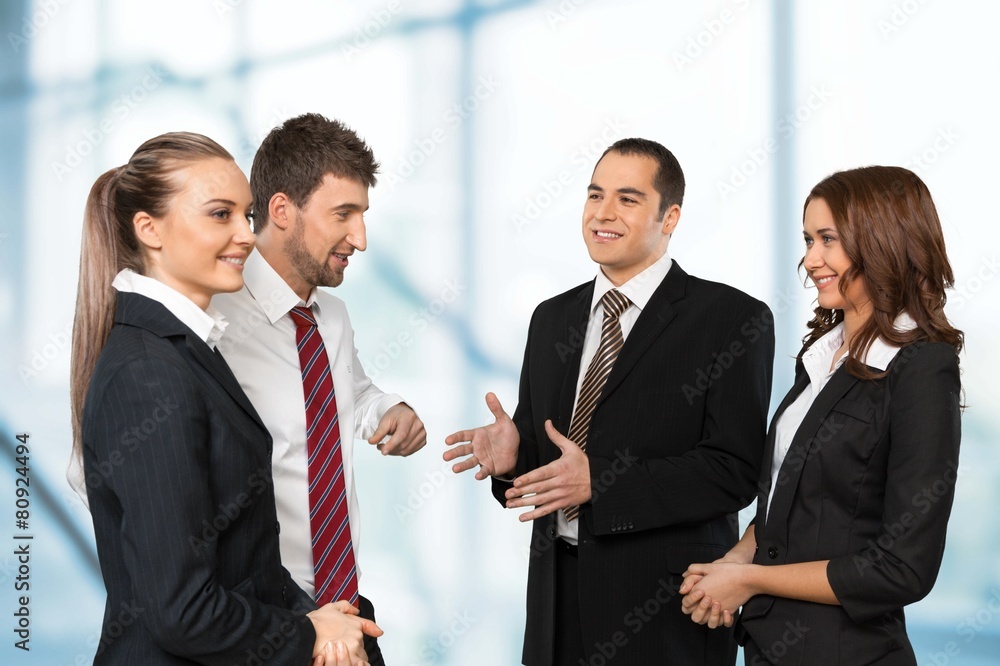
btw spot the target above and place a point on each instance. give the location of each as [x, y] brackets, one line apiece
[772, 552]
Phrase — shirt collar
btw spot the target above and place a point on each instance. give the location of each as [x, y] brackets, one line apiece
[208, 324]
[639, 289]
[881, 353]
[817, 358]
[270, 290]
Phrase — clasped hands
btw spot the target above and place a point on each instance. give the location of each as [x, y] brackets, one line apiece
[493, 448]
[340, 634]
[714, 592]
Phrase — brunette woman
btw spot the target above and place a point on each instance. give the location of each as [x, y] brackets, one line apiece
[862, 455]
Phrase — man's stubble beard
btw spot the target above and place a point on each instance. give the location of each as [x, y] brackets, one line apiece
[313, 272]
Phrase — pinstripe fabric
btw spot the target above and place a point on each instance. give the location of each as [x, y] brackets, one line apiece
[333, 552]
[614, 304]
[671, 462]
[178, 474]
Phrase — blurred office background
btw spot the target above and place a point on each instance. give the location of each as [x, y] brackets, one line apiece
[488, 117]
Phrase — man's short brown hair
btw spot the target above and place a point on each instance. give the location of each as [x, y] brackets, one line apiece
[296, 156]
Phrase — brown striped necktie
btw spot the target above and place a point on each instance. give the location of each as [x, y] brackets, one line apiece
[614, 304]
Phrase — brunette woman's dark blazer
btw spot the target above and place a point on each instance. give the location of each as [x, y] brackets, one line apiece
[178, 475]
[868, 484]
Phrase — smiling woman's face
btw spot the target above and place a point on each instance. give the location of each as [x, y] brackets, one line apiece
[199, 246]
[826, 261]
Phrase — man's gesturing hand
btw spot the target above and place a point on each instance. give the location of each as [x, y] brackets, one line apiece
[492, 447]
[562, 483]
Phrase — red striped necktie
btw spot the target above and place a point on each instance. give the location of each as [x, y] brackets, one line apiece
[333, 553]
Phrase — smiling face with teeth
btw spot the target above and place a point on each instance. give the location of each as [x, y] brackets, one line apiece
[310, 245]
[827, 263]
[322, 234]
[199, 246]
[622, 225]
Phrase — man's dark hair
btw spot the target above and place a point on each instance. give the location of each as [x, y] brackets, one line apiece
[296, 156]
[669, 179]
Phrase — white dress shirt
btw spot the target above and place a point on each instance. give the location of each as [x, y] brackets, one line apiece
[816, 361]
[208, 325]
[638, 290]
[260, 348]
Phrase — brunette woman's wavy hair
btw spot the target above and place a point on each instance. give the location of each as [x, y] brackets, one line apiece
[144, 184]
[889, 228]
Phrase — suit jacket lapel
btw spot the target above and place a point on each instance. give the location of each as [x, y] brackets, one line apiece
[767, 468]
[575, 325]
[815, 431]
[217, 366]
[137, 310]
[655, 317]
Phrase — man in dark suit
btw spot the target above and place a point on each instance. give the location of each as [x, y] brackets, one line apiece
[638, 432]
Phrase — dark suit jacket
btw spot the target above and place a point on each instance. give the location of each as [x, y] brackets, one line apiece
[178, 475]
[674, 445]
[868, 484]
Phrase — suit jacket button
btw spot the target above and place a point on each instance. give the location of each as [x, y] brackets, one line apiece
[772, 552]
[631, 525]
[277, 527]
[614, 528]
[284, 593]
